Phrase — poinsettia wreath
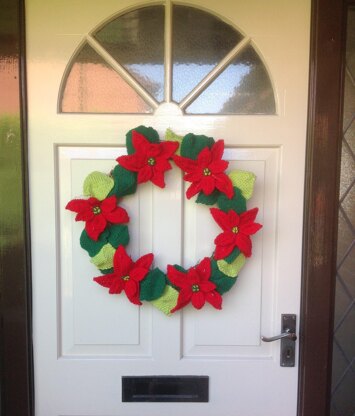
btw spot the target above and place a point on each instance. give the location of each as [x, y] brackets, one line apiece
[106, 232]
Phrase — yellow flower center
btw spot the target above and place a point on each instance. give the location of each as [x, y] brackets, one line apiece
[235, 230]
[206, 172]
[195, 288]
[151, 161]
[125, 278]
[96, 210]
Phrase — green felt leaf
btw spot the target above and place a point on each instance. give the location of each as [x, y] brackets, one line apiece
[167, 301]
[234, 254]
[104, 258]
[125, 181]
[107, 271]
[170, 136]
[118, 235]
[180, 268]
[92, 246]
[208, 199]
[234, 268]
[153, 285]
[223, 283]
[192, 145]
[149, 133]
[244, 181]
[97, 185]
[237, 202]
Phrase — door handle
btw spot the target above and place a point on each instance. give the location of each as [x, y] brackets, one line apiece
[288, 337]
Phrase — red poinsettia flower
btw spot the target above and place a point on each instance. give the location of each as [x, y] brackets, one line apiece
[97, 214]
[150, 160]
[195, 286]
[127, 274]
[236, 231]
[207, 172]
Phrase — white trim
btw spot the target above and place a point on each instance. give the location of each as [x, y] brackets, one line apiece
[167, 52]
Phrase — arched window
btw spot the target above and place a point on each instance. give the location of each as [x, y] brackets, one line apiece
[166, 54]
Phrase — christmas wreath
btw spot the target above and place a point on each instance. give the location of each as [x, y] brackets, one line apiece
[106, 232]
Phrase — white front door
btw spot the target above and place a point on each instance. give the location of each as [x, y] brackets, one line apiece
[85, 340]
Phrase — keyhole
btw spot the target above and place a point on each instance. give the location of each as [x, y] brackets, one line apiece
[288, 353]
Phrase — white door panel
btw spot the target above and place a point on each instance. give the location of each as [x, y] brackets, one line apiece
[86, 340]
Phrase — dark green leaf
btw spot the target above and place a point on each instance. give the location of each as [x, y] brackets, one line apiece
[92, 246]
[234, 254]
[192, 145]
[125, 182]
[237, 202]
[106, 271]
[223, 283]
[208, 199]
[180, 268]
[153, 285]
[115, 235]
[149, 133]
[119, 235]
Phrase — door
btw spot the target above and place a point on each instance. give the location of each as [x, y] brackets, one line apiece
[84, 94]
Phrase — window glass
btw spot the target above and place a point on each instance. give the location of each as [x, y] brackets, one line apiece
[136, 41]
[94, 87]
[199, 41]
[244, 87]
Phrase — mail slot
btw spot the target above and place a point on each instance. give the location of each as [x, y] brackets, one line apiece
[165, 388]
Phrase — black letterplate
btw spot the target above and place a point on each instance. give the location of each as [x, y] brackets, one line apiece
[165, 388]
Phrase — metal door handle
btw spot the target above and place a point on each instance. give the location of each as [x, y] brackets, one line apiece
[288, 338]
[290, 335]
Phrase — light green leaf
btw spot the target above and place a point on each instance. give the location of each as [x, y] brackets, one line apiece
[172, 137]
[234, 268]
[98, 185]
[167, 301]
[244, 181]
[104, 258]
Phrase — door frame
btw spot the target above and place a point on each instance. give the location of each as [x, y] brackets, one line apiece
[324, 132]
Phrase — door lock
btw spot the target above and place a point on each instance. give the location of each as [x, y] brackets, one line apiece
[288, 337]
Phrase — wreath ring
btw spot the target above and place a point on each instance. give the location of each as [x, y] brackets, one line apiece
[106, 232]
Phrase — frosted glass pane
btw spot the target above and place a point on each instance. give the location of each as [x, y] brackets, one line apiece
[136, 41]
[94, 87]
[244, 87]
[200, 41]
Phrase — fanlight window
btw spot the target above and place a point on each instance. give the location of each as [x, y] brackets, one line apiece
[167, 54]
